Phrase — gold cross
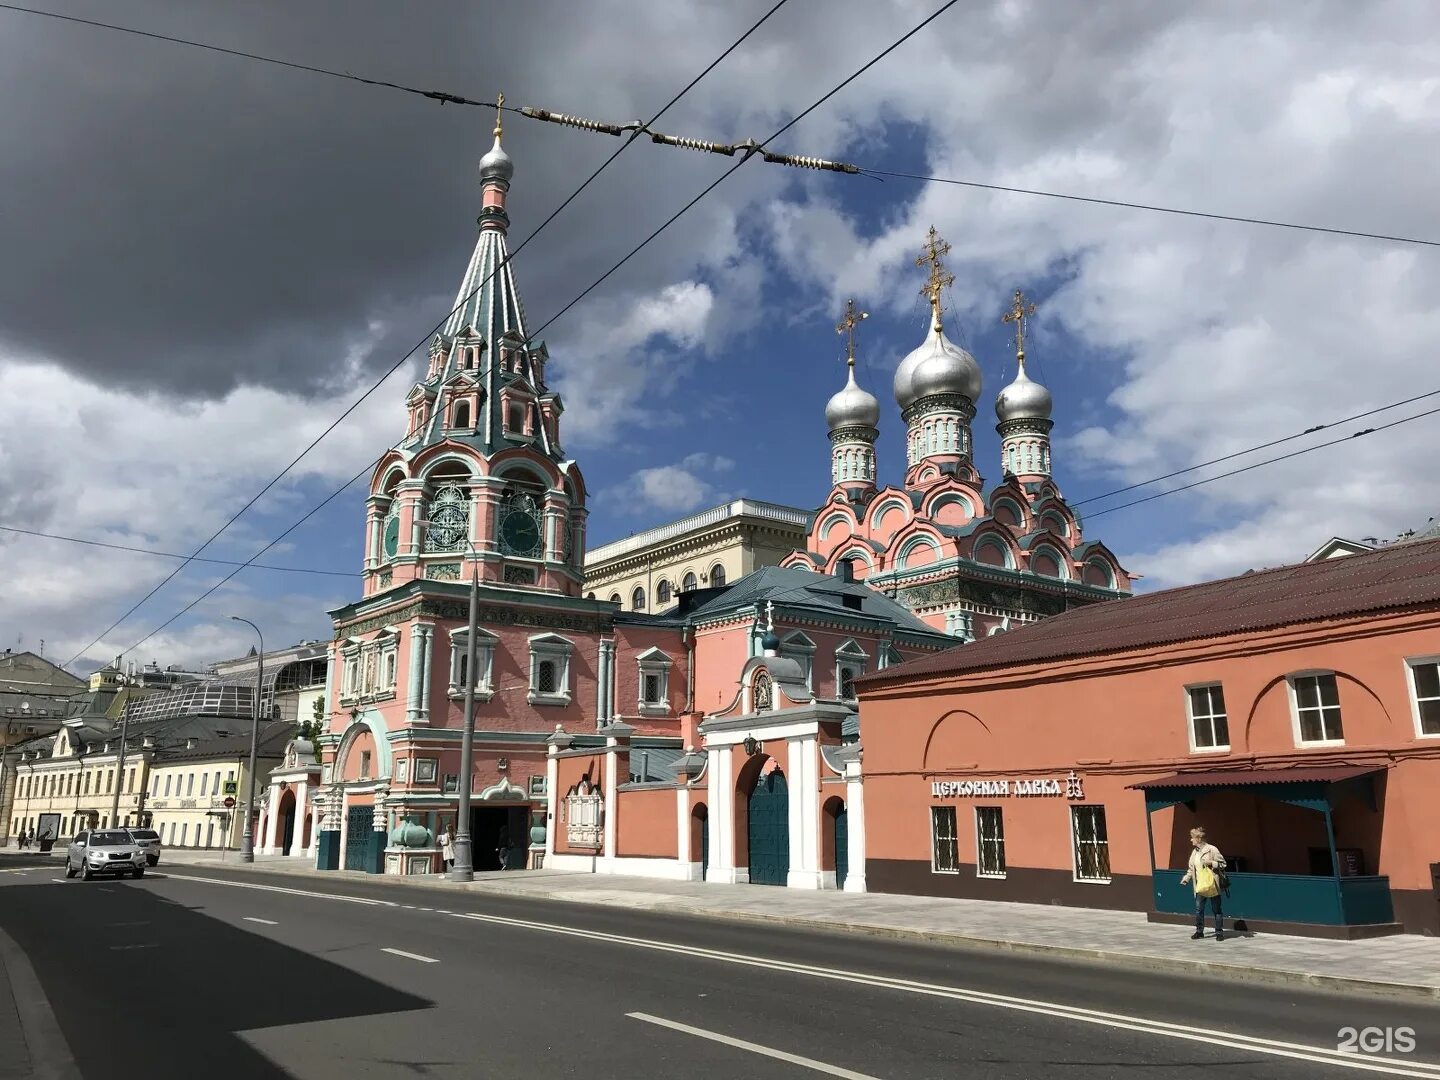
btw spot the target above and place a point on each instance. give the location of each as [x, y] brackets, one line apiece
[1019, 311]
[940, 278]
[847, 326]
[499, 113]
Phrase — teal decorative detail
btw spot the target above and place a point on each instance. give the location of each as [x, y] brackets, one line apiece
[449, 519]
[537, 829]
[520, 525]
[449, 571]
[392, 536]
[411, 834]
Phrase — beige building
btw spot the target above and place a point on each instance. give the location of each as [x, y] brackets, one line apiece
[190, 783]
[645, 572]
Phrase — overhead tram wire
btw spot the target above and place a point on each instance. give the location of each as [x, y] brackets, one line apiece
[826, 97]
[426, 337]
[1261, 464]
[173, 554]
[1254, 449]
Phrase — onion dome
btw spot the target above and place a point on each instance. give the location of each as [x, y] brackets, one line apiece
[1023, 399]
[938, 366]
[497, 164]
[852, 406]
[769, 643]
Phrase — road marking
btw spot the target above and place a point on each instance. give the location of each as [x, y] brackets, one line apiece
[754, 1048]
[411, 956]
[18, 870]
[1122, 1021]
[58, 880]
[122, 948]
[262, 922]
[143, 922]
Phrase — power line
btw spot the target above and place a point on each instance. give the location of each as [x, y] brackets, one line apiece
[173, 554]
[1153, 208]
[824, 98]
[428, 334]
[1253, 449]
[1259, 464]
[442, 96]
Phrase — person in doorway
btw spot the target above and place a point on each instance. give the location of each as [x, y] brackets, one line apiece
[1205, 856]
[502, 847]
[447, 848]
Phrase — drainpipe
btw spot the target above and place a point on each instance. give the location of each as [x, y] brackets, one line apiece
[687, 637]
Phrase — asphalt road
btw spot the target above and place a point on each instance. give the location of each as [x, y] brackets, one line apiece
[201, 972]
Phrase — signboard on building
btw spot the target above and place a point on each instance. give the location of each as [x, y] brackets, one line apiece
[1071, 787]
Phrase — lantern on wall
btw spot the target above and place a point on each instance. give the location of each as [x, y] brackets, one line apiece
[752, 746]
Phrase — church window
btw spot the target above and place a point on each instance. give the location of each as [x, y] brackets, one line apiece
[689, 583]
[654, 666]
[550, 669]
[798, 646]
[847, 684]
[651, 695]
[462, 414]
[944, 841]
[460, 658]
[449, 513]
[515, 417]
[717, 576]
[637, 599]
[662, 592]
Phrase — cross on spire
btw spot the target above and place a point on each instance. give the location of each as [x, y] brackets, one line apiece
[499, 113]
[769, 616]
[934, 250]
[851, 319]
[1020, 310]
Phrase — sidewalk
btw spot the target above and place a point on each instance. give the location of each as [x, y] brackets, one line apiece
[1407, 965]
[31, 1042]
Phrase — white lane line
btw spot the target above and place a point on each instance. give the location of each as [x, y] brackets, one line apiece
[262, 922]
[125, 948]
[289, 892]
[411, 956]
[754, 1048]
[1121, 1021]
[58, 880]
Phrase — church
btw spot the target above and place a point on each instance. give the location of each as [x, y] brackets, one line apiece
[588, 719]
[969, 561]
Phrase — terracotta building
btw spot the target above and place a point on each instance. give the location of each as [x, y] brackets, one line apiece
[1294, 712]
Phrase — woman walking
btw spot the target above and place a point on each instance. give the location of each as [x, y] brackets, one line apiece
[447, 848]
[1206, 866]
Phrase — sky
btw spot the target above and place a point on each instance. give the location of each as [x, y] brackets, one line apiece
[207, 259]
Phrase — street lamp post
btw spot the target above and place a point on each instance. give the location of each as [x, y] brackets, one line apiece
[464, 865]
[247, 839]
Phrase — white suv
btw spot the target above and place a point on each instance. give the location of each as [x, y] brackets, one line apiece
[104, 851]
[148, 840]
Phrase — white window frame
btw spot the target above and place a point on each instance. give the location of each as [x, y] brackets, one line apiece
[980, 870]
[800, 647]
[1411, 663]
[584, 816]
[555, 648]
[1195, 747]
[1300, 741]
[654, 662]
[849, 654]
[1075, 811]
[935, 867]
[484, 662]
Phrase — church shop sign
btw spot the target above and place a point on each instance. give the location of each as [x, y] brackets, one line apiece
[1071, 787]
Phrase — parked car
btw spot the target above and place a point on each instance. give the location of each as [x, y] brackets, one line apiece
[104, 851]
[148, 841]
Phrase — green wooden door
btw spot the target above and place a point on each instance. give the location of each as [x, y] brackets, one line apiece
[842, 847]
[769, 830]
[361, 833]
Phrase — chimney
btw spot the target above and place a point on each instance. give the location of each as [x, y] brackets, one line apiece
[845, 571]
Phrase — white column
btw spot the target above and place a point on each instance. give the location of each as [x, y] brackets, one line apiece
[855, 820]
[602, 681]
[344, 811]
[804, 814]
[412, 680]
[682, 834]
[297, 846]
[271, 820]
[552, 803]
[612, 756]
[427, 663]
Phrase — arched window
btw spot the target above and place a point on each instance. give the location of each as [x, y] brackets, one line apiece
[637, 599]
[590, 596]
[614, 598]
[662, 592]
[689, 583]
[462, 414]
[717, 576]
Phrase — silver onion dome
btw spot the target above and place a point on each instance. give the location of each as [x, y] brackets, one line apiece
[938, 366]
[497, 164]
[852, 407]
[1023, 399]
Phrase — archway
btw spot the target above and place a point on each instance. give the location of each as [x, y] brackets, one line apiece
[835, 840]
[700, 837]
[286, 811]
[768, 830]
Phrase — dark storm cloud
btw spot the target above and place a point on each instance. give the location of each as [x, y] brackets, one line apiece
[184, 219]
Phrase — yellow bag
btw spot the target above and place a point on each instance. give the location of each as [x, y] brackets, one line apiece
[1206, 883]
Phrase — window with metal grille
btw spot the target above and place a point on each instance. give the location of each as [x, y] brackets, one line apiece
[990, 841]
[1317, 708]
[545, 677]
[1209, 726]
[1425, 678]
[652, 690]
[944, 841]
[847, 684]
[1092, 843]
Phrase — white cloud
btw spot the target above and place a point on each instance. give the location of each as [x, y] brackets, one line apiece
[679, 488]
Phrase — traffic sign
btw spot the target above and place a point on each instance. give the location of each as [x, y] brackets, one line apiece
[229, 803]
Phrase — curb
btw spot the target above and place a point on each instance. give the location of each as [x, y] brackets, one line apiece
[1137, 961]
[50, 1057]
